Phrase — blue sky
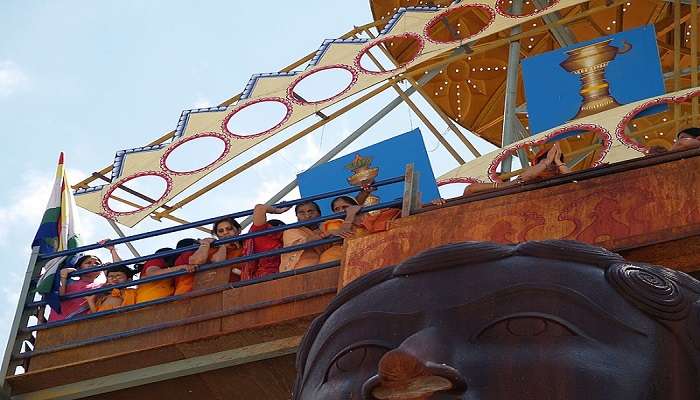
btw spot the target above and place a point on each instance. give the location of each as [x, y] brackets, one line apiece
[90, 78]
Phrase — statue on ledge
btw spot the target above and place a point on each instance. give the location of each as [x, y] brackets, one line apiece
[538, 320]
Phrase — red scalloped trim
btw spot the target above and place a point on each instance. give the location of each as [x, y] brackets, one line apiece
[369, 45]
[620, 128]
[294, 99]
[175, 145]
[510, 151]
[500, 9]
[437, 19]
[111, 214]
[285, 102]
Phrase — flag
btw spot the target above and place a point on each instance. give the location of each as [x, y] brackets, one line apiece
[56, 233]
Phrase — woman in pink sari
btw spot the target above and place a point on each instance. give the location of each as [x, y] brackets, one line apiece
[73, 307]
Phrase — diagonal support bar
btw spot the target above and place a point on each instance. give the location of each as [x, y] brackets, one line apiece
[348, 140]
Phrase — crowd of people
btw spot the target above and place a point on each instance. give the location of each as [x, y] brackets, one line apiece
[547, 163]
[354, 224]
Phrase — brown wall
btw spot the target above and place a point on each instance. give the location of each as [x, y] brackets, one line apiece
[629, 209]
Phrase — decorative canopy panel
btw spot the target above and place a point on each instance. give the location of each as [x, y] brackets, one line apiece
[423, 25]
[471, 91]
[617, 134]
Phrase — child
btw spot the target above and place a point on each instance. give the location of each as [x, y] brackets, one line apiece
[117, 297]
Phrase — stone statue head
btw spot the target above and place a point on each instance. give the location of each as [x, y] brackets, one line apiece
[539, 320]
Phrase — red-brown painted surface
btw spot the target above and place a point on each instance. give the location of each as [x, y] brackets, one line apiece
[634, 208]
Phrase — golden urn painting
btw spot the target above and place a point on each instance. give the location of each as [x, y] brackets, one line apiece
[590, 62]
[363, 175]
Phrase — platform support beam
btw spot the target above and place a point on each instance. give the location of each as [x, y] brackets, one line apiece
[510, 130]
[166, 371]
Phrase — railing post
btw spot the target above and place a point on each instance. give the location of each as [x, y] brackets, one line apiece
[16, 338]
[411, 194]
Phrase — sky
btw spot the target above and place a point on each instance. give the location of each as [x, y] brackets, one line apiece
[92, 77]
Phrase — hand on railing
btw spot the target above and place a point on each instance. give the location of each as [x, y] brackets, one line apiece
[111, 249]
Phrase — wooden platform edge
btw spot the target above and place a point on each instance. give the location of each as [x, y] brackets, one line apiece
[175, 369]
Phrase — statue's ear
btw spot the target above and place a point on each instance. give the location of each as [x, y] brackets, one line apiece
[654, 290]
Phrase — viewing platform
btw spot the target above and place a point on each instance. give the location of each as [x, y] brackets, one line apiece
[238, 340]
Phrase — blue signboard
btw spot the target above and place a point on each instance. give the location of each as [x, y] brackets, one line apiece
[390, 156]
[625, 65]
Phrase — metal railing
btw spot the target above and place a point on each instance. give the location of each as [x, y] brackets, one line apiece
[22, 334]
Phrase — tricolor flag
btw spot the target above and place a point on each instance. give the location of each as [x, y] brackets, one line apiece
[56, 233]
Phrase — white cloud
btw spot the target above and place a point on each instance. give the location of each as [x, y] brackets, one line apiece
[11, 78]
[27, 203]
[201, 102]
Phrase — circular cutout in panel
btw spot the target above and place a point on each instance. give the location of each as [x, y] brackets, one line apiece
[650, 127]
[257, 117]
[582, 145]
[403, 49]
[153, 184]
[195, 153]
[322, 84]
[529, 8]
[459, 23]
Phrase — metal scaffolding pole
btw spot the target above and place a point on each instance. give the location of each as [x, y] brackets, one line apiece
[510, 131]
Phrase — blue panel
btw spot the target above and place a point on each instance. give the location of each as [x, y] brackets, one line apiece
[552, 93]
[390, 156]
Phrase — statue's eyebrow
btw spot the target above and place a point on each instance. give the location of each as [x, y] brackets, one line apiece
[590, 308]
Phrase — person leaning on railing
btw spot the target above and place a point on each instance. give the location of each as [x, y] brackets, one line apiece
[73, 307]
[265, 265]
[307, 257]
[546, 164]
[223, 229]
[161, 288]
[117, 297]
[687, 139]
[355, 224]
[184, 283]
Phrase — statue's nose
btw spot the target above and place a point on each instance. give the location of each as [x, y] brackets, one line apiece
[415, 371]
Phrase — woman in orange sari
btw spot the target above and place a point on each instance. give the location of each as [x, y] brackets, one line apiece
[223, 229]
[291, 237]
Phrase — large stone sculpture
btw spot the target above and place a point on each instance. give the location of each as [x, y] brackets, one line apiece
[540, 320]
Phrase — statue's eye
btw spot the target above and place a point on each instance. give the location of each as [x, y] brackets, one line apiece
[526, 327]
[360, 359]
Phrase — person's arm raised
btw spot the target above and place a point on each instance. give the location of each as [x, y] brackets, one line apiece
[201, 255]
[261, 210]
[112, 250]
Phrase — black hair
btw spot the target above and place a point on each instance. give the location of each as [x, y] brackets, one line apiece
[81, 259]
[186, 243]
[313, 203]
[346, 199]
[122, 268]
[230, 220]
[275, 222]
[694, 132]
[169, 260]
